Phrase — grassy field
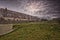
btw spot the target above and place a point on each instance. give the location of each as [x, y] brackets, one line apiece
[34, 31]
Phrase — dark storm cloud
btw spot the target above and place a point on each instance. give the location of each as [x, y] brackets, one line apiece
[40, 8]
[52, 9]
[10, 4]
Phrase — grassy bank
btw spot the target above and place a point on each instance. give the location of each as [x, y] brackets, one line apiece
[34, 31]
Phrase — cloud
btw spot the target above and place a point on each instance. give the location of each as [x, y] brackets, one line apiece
[39, 8]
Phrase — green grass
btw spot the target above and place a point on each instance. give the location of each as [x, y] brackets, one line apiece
[34, 31]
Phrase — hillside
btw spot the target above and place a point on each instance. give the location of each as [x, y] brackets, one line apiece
[8, 15]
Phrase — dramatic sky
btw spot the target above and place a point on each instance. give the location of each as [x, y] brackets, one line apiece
[40, 8]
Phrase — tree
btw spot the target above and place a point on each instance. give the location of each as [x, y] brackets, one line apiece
[5, 12]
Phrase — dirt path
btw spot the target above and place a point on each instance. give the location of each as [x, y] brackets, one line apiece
[5, 28]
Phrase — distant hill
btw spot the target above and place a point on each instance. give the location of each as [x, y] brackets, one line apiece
[7, 16]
